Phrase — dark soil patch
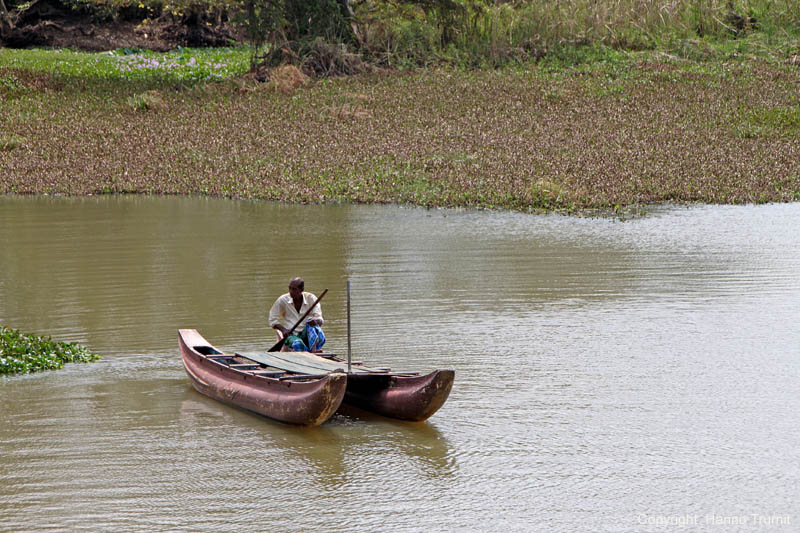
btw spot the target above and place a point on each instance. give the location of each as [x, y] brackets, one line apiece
[47, 23]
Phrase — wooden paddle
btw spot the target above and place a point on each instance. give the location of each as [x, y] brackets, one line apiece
[278, 344]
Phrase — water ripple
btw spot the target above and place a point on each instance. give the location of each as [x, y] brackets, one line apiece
[604, 370]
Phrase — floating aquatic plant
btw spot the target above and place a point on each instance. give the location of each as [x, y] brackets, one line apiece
[620, 130]
[180, 65]
[21, 353]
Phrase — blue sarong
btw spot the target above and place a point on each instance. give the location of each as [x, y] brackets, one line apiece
[310, 339]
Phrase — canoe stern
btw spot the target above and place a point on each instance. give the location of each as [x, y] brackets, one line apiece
[414, 398]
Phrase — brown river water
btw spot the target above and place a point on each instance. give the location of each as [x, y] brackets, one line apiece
[639, 375]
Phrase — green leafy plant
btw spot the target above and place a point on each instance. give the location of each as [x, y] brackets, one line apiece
[10, 83]
[21, 353]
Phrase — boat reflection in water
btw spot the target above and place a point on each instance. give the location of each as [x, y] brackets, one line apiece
[352, 443]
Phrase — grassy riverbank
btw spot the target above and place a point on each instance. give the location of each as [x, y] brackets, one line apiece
[21, 353]
[584, 128]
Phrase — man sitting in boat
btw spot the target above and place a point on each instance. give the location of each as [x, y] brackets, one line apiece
[288, 309]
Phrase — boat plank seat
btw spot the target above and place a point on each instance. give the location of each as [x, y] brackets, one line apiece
[334, 357]
[302, 377]
[307, 363]
[210, 350]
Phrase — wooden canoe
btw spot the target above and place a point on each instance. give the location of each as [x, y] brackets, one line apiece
[402, 395]
[294, 398]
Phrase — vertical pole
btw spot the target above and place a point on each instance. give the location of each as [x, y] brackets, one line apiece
[349, 353]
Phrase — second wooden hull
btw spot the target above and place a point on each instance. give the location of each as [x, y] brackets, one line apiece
[396, 395]
[404, 397]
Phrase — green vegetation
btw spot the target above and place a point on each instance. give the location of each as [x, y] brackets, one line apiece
[589, 105]
[466, 33]
[601, 128]
[768, 121]
[20, 353]
[124, 67]
[498, 33]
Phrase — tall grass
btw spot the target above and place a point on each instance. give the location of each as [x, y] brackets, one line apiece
[476, 33]
[498, 31]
